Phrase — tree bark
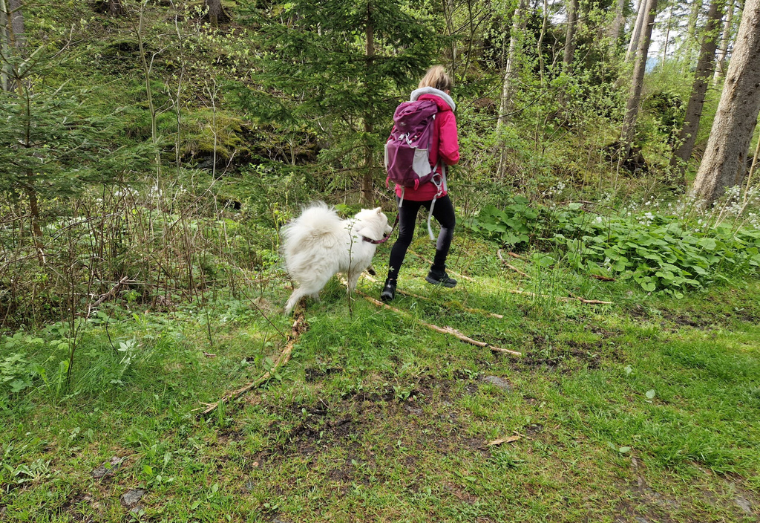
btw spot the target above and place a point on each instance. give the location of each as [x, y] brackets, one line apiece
[617, 24]
[724, 162]
[518, 26]
[216, 12]
[115, 8]
[667, 38]
[572, 23]
[632, 107]
[367, 185]
[720, 64]
[519, 21]
[17, 23]
[636, 33]
[12, 42]
[688, 135]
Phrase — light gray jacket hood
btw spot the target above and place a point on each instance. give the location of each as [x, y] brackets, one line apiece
[432, 90]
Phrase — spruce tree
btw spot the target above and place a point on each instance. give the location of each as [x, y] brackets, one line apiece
[341, 66]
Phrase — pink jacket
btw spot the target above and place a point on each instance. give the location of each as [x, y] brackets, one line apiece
[445, 144]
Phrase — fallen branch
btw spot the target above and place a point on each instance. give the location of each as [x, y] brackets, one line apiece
[560, 298]
[113, 292]
[515, 255]
[464, 277]
[509, 266]
[463, 307]
[444, 330]
[299, 327]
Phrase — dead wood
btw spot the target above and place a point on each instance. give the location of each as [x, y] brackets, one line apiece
[444, 330]
[509, 266]
[299, 327]
[515, 255]
[602, 278]
[124, 282]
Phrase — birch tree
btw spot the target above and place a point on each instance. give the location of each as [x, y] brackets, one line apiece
[724, 161]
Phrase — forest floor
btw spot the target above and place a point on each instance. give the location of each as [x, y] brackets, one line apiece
[644, 410]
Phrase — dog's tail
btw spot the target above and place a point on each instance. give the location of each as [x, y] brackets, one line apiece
[317, 223]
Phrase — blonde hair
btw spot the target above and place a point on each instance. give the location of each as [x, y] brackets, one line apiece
[438, 78]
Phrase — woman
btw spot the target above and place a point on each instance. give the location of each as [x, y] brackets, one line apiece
[436, 85]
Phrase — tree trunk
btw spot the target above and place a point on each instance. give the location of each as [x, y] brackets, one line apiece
[667, 38]
[572, 23]
[632, 107]
[5, 69]
[216, 12]
[115, 8]
[519, 21]
[515, 34]
[724, 162]
[691, 31]
[688, 135]
[17, 23]
[720, 64]
[617, 24]
[12, 42]
[367, 185]
[636, 33]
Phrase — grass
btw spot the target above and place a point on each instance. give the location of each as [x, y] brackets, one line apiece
[645, 410]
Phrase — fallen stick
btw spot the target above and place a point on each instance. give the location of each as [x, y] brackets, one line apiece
[464, 277]
[299, 327]
[518, 271]
[560, 298]
[515, 255]
[463, 307]
[443, 330]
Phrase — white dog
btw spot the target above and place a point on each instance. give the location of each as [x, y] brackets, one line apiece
[318, 244]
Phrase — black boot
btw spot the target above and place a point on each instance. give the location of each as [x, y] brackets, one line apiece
[439, 277]
[389, 290]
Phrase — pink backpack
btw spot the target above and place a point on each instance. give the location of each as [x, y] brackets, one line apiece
[407, 158]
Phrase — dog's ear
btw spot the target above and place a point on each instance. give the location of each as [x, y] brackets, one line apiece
[379, 210]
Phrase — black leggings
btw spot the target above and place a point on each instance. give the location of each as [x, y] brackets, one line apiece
[443, 212]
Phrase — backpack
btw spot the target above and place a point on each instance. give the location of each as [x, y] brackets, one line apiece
[407, 149]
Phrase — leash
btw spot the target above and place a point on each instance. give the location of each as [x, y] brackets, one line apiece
[386, 237]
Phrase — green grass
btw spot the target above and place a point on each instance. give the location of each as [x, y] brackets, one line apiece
[377, 418]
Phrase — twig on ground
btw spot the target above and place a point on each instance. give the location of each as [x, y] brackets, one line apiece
[499, 441]
[463, 276]
[515, 255]
[463, 307]
[299, 327]
[444, 330]
[509, 266]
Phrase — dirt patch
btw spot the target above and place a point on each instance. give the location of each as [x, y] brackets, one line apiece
[313, 374]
